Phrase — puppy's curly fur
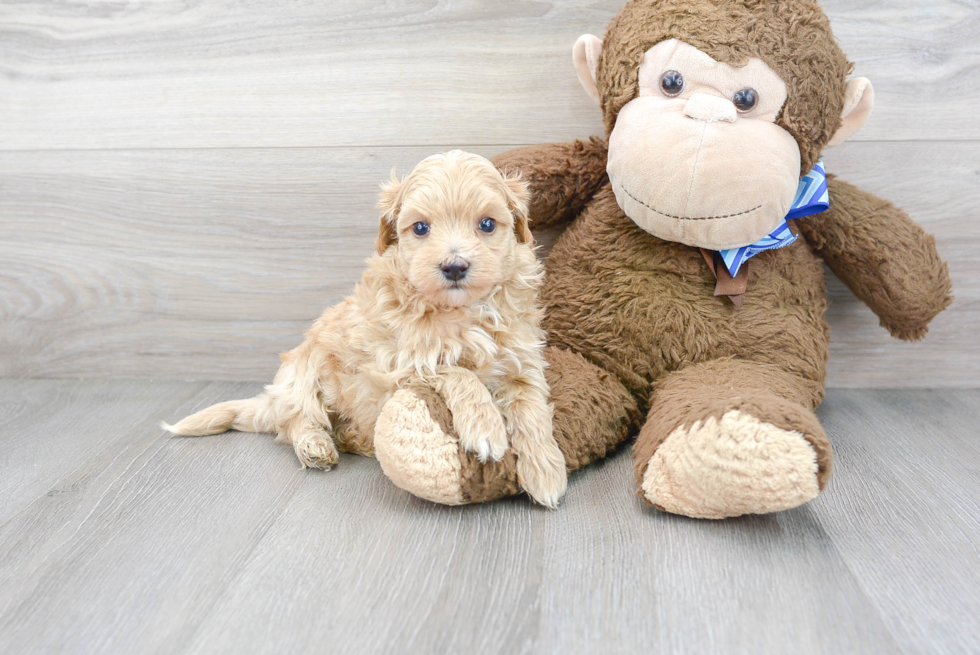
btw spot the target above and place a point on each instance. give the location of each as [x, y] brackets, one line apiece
[452, 304]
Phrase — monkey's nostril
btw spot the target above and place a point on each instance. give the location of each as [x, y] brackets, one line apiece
[455, 271]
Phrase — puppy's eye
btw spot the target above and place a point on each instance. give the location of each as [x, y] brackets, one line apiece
[671, 83]
[420, 229]
[745, 100]
[488, 225]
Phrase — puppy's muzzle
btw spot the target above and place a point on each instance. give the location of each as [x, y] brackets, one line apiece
[455, 270]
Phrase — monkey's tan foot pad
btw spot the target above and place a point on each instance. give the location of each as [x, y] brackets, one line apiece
[718, 468]
[418, 450]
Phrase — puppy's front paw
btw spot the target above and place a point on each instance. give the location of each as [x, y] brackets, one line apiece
[316, 451]
[481, 431]
[541, 472]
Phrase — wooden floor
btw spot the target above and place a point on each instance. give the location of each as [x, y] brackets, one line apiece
[115, 538]
[185, 185]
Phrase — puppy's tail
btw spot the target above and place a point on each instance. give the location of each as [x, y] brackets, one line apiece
[252, 415]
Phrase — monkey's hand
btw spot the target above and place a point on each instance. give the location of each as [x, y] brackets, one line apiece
[563, 177]
[884, 258]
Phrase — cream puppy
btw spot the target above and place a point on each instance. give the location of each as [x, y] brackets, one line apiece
[449, 298]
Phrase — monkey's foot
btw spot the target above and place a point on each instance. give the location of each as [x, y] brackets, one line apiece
[714, 449]
[731, 466]
[418, 450]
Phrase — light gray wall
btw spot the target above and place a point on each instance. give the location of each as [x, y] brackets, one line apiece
[184, 188]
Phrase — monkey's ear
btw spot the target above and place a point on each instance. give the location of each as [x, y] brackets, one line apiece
[859, 99]
[518, 199]
[585, 56]
[389, 203]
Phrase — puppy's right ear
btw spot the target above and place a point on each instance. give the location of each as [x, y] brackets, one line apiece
[389, 203]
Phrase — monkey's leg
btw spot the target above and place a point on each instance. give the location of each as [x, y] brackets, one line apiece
[731, 437]
[418, 450]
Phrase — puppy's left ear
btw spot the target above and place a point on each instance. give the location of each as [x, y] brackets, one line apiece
[518, 199]
[389, 203]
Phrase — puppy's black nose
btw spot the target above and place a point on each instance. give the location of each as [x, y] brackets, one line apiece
[455, 271]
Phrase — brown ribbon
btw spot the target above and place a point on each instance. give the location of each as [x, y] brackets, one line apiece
[726, 285]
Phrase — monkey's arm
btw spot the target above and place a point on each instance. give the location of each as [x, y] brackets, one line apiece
[563, 177]
[884, 258]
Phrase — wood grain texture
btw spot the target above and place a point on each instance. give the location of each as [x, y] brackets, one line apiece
[36, 449]
[129, 539]
[777, 584]
[905, 516]
[203, 264]
[466, 579]
[238, 147]
[229, 73]
[155, 544]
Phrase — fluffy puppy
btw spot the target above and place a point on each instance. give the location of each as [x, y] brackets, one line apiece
[449, 298]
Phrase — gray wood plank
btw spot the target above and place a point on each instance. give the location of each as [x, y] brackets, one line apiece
[367, 72]
[162, 545]
[904, 510]
[126, 553]
[357, 564]
[204, 264]
[603, 574]
[623, 578]
[169, 247]
[48, 428]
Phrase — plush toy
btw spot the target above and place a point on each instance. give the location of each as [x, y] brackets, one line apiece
[685, 301]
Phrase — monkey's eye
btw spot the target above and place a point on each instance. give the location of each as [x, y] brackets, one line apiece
[420, 229]
[672, 83]
[488, 225]
[745, 100]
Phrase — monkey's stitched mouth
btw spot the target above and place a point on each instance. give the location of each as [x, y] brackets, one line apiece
[687, 218]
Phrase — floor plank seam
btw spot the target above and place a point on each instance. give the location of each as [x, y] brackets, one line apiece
[241, 567]
[121, 451]
[856, 581]
[406, 146]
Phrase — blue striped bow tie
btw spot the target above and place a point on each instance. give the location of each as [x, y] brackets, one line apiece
[812, 197]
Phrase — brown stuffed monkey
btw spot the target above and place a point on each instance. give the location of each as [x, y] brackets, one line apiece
[715, 110]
